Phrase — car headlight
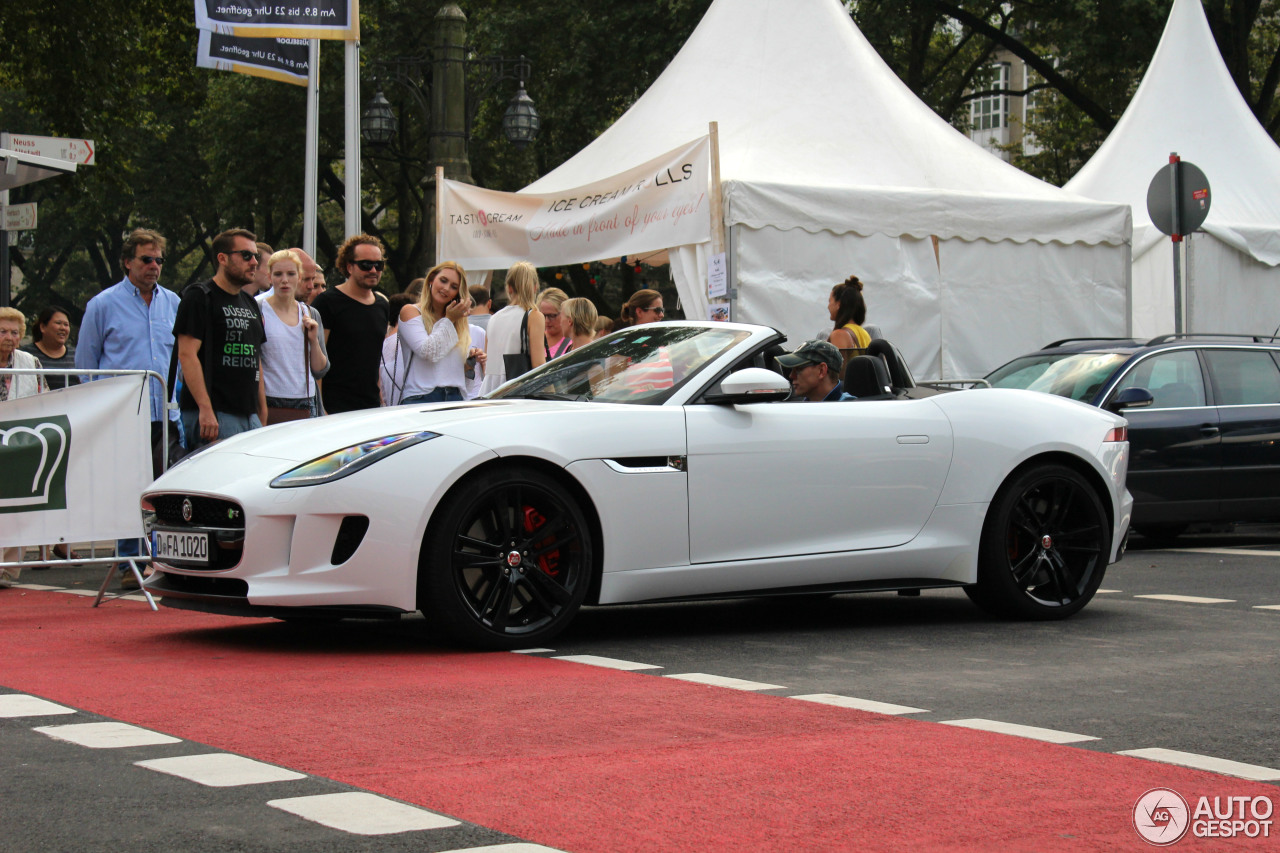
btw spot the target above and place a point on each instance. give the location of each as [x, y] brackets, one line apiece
[348, 460]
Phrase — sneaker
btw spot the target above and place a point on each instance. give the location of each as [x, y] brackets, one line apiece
[127, 580]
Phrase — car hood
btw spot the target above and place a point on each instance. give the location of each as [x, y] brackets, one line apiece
[301, 441]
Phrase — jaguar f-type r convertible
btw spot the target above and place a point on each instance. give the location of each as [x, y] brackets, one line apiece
[662, 462]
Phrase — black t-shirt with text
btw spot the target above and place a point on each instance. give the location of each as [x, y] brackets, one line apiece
[356, 332]
[231, 333]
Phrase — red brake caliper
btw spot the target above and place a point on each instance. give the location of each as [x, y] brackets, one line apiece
[550, 561]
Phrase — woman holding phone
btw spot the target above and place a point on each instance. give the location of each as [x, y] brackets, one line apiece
[436, 338]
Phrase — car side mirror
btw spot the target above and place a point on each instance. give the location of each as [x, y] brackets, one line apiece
[751, 385]
[1129, 398]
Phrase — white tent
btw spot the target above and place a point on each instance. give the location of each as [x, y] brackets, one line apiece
[1187, 103]
[831, 167]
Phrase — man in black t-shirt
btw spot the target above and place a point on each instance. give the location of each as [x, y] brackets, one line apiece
[219, 334]
[355, 319]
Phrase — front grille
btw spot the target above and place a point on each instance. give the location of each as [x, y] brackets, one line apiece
[221, 587]
[205, 512]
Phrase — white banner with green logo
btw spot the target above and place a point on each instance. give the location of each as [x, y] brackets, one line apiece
[74, 462]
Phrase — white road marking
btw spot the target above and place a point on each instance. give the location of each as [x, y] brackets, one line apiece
[362, 814]
[220, 770]
[1266, 607]
[1207, 762]
[1033, 732]
[531, 651]
[1242, 552]
[1108, 591]
[608, 663]
[106, 735]
[22, 705]
[36, 586]
[520, 847]
[859, 704]
[725, 681]
[1189, 599]
[89, 592]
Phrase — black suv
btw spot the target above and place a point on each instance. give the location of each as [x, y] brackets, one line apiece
[1206, 447]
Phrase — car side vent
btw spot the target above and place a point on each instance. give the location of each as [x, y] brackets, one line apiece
[642, 461]
[350, 534]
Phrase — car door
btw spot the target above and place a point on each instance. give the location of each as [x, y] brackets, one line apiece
[1175, 451]
[779, 479]
[1246, 388]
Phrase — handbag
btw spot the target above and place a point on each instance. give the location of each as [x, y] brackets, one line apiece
[518, 364]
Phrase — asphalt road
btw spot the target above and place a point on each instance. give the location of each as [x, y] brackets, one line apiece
[1131, 671]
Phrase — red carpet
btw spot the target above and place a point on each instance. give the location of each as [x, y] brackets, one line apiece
[577, 757]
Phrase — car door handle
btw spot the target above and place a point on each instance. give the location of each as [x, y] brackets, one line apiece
[1209, 429]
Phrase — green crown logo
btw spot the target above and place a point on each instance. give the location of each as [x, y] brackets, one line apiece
[33, 464]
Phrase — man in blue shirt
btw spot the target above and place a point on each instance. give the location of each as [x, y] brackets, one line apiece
[814, 371]
[129, 326]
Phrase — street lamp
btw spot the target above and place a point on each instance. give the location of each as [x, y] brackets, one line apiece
[520, 123]
[378, 125]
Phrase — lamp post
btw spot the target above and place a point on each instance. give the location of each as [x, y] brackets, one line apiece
[448, 101]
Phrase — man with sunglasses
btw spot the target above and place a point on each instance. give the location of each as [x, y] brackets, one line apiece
[219, 332]
[355, 317]
[129, 326]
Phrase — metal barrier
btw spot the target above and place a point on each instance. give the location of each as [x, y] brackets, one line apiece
[135, 563]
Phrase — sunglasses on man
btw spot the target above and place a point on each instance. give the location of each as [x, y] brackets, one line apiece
[147, 260]
[245, 254]
[368, 266]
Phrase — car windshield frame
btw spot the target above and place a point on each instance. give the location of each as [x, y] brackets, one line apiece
[1074, 375]
[641, 365]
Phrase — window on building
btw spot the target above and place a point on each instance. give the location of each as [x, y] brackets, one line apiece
[990, 112]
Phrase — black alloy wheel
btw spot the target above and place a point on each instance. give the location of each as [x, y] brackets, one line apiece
[508, 563]
[1045, 545]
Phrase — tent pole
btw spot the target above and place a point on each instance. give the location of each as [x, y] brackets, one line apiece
[717, 211]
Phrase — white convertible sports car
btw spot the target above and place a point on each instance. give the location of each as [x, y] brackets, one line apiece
[662, 462]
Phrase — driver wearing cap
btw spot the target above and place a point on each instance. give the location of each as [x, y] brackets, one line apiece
[814, 371]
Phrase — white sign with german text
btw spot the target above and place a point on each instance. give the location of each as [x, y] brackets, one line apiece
[19, 217]
[655, 206]
[82, 152]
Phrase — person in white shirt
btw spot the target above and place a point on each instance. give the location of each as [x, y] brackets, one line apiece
[293, 355]
[436, 338]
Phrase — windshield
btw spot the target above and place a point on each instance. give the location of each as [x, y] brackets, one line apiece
[1077, 375]
[642, 365]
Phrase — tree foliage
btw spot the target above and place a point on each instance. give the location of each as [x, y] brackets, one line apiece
[191, 152]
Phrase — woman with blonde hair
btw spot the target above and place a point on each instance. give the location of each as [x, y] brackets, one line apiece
[580, 317]
[293, 356]
[517, 329]
[13, 325]
[436, 338]
[644, 306]
[557, 337]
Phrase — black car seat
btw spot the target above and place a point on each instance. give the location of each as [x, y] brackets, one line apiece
[866, 377]
[900, 377]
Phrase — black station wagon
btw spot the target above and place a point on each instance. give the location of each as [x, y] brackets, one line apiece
[1206, 447]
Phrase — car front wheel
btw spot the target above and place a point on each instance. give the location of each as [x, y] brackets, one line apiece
[508, 563]
[1045, 545]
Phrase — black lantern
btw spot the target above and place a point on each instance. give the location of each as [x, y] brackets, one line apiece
[378, 125]
[520, 123]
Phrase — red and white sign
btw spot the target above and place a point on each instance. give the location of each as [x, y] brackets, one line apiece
[19, 217]
[82, 152]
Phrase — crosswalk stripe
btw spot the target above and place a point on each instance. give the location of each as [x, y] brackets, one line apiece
[362, 813]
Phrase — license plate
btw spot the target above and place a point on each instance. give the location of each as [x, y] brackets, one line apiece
[180, 546]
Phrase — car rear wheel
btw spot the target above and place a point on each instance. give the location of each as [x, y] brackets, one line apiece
[508, 563]
[1045, 545]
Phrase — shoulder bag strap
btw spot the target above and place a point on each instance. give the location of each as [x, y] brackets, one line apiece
[524, 334]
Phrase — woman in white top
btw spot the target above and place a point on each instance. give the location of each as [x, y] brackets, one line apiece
[436, 339]
[504, 328]
[293, 356]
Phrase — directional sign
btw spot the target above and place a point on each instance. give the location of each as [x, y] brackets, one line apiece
[79, 151]
[19, 217]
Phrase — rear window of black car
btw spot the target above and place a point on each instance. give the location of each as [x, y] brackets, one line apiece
[1244, 377]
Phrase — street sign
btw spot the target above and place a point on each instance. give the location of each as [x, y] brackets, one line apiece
[1193, 199]
[19, 217]
[82, 152]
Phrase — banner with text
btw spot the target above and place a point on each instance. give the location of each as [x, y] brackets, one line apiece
[283, 59]
[75, 462]
[304, 19]
[652, 207]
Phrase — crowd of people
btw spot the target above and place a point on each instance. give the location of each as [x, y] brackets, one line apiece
[252, 344]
